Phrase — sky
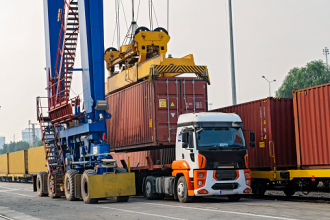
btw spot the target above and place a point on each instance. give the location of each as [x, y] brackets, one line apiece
[270, 38]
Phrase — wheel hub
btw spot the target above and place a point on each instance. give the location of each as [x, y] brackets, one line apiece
[67, 185]
[181, 190]
[148, 188]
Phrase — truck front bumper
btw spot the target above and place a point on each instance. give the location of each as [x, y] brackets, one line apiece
[213, 187]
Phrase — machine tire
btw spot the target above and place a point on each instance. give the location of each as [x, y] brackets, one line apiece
[182, 186]
[70, 185]
[121, 198]
[50, 193]
[149, 188]
[84, 187]
[234, 198]
[40, 184]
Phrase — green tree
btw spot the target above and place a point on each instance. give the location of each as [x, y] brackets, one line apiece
[313, 74]
[15, 146]
[40, 143]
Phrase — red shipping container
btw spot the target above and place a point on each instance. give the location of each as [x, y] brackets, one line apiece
[138, 160]
[145, 115]
[312, 124]
[272, 121]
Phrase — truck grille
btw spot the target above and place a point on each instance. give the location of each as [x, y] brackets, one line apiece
[221, 175]
[225, 186]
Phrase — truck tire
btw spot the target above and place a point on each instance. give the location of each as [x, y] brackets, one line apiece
[84, 187]
[149, 188]
[40, 184]
[69, 185]
[182, 190]
[234, 198]
[121, 198]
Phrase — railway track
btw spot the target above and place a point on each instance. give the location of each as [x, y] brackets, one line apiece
[312, 197]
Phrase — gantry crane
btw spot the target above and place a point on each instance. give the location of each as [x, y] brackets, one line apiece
[74, 130]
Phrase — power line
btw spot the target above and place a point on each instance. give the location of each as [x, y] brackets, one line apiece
[155, 14]
[118, 24]
[124, 13]
[137, 16]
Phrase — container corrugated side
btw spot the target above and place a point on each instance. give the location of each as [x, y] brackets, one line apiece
[272, 121]
[18, 162]
[139, 159]
[3, 164]
[135, 158]
[312, 124]
[145, 115]
[36, 160]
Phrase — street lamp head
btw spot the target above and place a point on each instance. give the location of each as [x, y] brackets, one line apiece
[274, 80]
[263, 76]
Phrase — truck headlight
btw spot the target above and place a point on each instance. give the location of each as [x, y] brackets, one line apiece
[200, 175]
[247, 182]
[200, 182]
[247, 175]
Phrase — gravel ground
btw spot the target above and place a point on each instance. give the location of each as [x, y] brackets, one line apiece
[299, 194]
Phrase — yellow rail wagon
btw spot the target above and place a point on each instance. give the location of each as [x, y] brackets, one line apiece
[22, 165]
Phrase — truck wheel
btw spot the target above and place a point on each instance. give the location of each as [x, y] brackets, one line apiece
[149, 188]
[40, 184]
[234, 198]
[121, 198]
[84, 187]
[182, 190]
[69, 185]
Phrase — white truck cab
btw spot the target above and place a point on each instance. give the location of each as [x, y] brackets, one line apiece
[211, 159]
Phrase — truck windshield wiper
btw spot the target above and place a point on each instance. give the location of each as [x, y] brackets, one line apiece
[212, 147]
[237, 147]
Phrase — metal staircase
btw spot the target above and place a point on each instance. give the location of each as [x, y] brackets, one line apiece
[60, 84]
[53, 152]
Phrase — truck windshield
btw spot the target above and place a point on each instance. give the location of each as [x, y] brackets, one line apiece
[220, 138]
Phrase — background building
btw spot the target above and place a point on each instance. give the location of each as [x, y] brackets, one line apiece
[27, 135]
[2, 141]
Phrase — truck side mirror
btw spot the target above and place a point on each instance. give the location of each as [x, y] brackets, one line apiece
[252, 136]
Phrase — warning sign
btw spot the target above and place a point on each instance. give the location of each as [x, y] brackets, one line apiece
[265, 137]
[162, 102]
[261, 144]
[172, 104]
[150, 123]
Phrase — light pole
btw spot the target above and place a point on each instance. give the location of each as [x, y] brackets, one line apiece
[326, 52]
[269, 84]
[232, 56]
